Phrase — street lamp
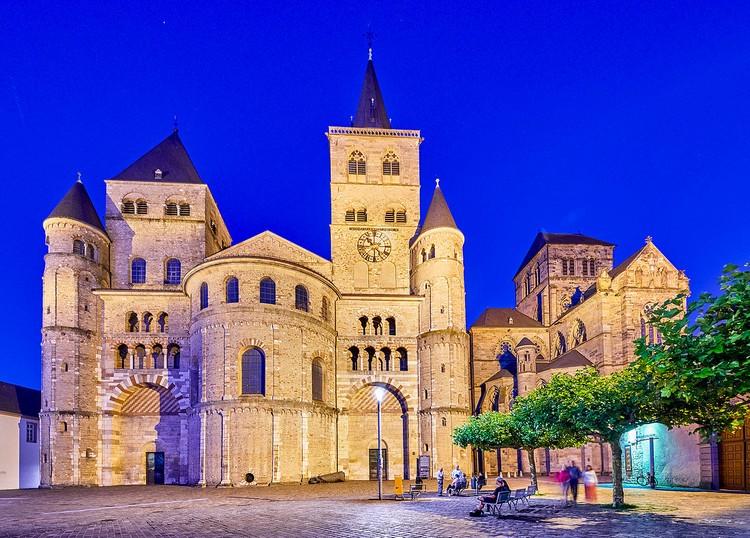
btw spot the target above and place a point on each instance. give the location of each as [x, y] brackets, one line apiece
[380, 393]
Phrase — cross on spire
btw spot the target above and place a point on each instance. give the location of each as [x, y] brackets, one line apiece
[78, 176]
[370, 36]
[437, 181]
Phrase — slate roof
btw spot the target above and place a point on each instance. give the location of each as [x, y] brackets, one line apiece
[525, 342]
[371, 108]
[625, 263]
[77, 205]
[499, 317]
[499, 375]
[547, 238]
[169, 156]
[438, 214]
[20, 400]
[571, 359]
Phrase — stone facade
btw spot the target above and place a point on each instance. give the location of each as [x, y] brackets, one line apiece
[171, 355]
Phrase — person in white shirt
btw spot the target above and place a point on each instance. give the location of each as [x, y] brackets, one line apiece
[589, 484]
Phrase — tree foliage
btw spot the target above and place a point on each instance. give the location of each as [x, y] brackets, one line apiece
[702, 364]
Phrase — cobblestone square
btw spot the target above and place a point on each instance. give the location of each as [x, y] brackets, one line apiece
[348, 509]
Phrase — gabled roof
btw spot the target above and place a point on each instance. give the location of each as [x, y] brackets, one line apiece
[547, 238]
[571, 359]
[501, 317]
[438, 214]
[525, 342]
[371, 108]
[169, 156]
[622, 267]
[77, 205]
[499, 375]
[20, 400]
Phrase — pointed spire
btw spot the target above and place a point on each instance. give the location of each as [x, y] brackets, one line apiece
[371, 109]
[439, 214]
[77, 205]
[167, 162]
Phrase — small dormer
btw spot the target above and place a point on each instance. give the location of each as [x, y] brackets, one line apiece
[158, 174]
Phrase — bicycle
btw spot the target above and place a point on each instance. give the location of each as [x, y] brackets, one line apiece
[648, 480]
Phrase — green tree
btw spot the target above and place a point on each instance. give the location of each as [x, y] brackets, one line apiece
[701, 365]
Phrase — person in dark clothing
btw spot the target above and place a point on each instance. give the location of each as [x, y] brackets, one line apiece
[575, 475]
[501, 485]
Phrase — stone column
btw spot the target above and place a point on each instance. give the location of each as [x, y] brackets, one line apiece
[226, 482]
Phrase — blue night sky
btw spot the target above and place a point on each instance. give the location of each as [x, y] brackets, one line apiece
[612, 119]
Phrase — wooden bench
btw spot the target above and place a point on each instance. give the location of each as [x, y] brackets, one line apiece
[415, 490]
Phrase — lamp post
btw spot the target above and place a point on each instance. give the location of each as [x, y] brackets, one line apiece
[379, 395]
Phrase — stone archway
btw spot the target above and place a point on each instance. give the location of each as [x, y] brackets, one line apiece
[361, 408]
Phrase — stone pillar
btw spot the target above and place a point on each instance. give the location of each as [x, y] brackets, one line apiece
[202, 445]
[226, 481]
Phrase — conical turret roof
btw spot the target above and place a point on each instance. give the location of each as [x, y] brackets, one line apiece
[170, 158]
[439, 214]
[371, 109]
[77, 205]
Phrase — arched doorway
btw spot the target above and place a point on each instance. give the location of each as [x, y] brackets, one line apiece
[362, 431]
[734, 458]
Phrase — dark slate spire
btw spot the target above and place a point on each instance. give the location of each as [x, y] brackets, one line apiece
[167, 162]
[371, 109]
[438, 214]
[77, 205]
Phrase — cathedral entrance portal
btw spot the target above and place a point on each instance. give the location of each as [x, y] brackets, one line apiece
[154, 468]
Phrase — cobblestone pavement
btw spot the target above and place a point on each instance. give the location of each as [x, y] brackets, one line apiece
[348, 510]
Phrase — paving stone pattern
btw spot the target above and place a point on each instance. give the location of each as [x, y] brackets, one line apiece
[348, 509]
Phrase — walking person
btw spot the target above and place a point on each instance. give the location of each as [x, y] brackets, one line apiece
[575, 474]
[589, 484]
[440, 478]
[563, 478]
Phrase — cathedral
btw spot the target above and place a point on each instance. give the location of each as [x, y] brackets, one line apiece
[171, 354]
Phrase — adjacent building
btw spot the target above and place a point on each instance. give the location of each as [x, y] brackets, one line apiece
[19, 436]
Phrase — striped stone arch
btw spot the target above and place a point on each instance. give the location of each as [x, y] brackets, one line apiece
[127, 387]
[246, 343]
[377, 380]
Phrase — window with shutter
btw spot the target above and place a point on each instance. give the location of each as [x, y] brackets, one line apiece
[390, 216]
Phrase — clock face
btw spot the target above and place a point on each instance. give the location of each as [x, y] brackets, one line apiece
[374, 246]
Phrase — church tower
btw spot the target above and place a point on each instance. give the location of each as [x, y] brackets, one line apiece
[77, 262]
[438, 276]
[374, 197]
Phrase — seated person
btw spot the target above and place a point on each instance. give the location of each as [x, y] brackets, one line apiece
[459, 483]
[500, 486]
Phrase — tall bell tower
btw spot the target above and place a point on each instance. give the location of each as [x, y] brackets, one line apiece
[374, 197]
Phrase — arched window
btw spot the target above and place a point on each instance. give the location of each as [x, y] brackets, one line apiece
[127, 207]
[138, 271]
[140, 356]
[253, 372]
[170, 209]
[357, 164]
[650, 334]
[424, 255]
[432, 251]
[390, 215]
[148, 320]
[301, 299]
[324, 313]
[561, 346]
[538, 273]
[173, 272]
[349, 215]
[363, 321]
[141, 207]
[391, 326]
[370, 356]
[204, 296]
[267, 291]
[579, 333]
[233, 290]
[317, 380]
[377, 325]
[403, 360]
[354, 357]
[121, 357]
[442, 368]
[78, 247]
[157, 356]
[391, 165]
[184, 210]
[444, 421]
[386, 351]
[90, 251]
[163, 321]
[132, 322]
[592, 267]
[361, 215]
[173, 356]
[401, 216]
[643, 328]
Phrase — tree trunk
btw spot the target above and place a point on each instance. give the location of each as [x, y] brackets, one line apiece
[618, 495]
[532, 467]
